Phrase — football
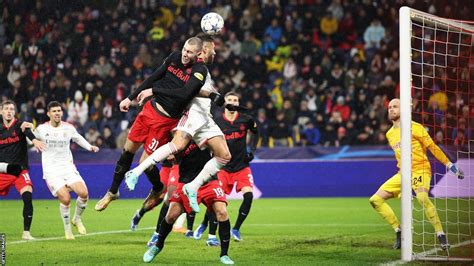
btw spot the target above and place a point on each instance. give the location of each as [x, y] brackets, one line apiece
[212, 23]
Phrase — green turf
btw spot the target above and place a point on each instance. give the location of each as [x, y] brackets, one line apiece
[307, 231]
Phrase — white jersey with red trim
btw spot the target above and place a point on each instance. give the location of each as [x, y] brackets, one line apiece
[202, 104]
[57, 157]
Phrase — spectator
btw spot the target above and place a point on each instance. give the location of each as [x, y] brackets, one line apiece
[342, 108]
[374, 34]
[78, 110]
[310, 134]
[279, 132]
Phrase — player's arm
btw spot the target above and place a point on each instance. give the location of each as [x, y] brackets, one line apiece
[10, 168]
[81, 141]
[426, 140]
[158, 74]
[39, 145]
[252, 140]
[192, 87]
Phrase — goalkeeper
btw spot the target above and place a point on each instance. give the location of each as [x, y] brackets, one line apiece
[421, 175]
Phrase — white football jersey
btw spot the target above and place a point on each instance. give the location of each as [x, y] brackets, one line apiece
[57, 157]
[201, 104]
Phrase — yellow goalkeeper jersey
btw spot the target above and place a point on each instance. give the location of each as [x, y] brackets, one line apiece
[420, 141]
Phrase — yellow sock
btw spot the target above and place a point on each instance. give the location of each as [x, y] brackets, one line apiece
[385, 211]
[430, 210]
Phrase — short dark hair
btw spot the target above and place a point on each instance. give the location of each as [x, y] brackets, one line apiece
[53, 104]
[8, 102]
[231, 93]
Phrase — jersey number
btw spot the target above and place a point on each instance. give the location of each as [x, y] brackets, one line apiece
[153, 145]
[219, 192]
[26, 176]
[417, 180]
[250, 178]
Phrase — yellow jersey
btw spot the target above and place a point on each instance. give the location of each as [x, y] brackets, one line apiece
[420, 141]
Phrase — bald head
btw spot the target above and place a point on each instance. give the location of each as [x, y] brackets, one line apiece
[394, 110]
[191, 49]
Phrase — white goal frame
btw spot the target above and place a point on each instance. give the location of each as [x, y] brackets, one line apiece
[406, 16]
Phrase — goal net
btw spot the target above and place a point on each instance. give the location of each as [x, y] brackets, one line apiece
[437, 90]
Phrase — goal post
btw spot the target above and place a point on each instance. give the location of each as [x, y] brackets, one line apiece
[437, 67]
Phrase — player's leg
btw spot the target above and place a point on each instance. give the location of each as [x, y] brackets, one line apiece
[211, 237]
[24, 186]
[80, 189]
[212, 136]
[222, 156]
[172, 181]
[244, 181]
[64, 198]
[178, 143]
[244, 210]
[224, 230]
[389, 189]
[154, 198]
[202, 227]
[174, 211]
[189, 224]
[421, 186]
[122, 166]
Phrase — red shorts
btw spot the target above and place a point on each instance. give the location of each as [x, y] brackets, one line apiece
[6, 181]
[243, 178]
[151, 128]
[169, 176]
[207, 194]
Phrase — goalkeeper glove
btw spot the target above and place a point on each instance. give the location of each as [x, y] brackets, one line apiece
[217, 98]
[457, 171]
[14, 169]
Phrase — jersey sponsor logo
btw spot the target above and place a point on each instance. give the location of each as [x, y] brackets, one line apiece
[235, 135]
[199, 76]
[178, 73]
[10, 140]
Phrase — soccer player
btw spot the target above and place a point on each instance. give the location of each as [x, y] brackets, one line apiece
[59, 171]
[160, 115]
[235, 126]
[421, 175]
[14, 158]
[197, 125]
[211, 194]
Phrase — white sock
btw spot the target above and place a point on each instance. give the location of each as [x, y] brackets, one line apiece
[211, 236]
[180, 221]
[439, 233]
[211, 168]
[64, 210]
[157, 156]
[3, 167]
[81, 204]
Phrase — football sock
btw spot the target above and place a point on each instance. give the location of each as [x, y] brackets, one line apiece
[385, 211]
[190, 220]
[161, 218]
[153, 174]
[210, 169]
[64, 210]
[205, 220]
[27, 210]
[224, 235]
[81, 204]
[212, 223]
[430, 210]
[122, 166]
[165, 229]
[244, 209]
[157, 156]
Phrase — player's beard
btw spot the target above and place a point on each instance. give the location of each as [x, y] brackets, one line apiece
[394, 118]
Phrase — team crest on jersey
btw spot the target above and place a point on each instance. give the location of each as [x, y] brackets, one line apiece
[188, 71]
[242, 127]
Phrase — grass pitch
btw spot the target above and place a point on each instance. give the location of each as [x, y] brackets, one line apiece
[305, 231]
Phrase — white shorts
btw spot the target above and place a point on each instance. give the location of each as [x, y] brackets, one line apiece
[200, 126]
[56, 182]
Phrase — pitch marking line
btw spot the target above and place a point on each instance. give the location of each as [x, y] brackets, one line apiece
[430, 252]
[151, 228]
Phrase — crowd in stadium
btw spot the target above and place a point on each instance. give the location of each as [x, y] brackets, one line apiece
[314, 72]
